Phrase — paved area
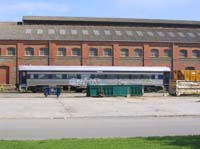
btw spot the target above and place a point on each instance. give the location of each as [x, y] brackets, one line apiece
[14, 106]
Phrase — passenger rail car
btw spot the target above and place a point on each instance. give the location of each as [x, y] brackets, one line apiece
[35, 78]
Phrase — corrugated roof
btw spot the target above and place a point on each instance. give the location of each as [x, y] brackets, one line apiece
[98, 33]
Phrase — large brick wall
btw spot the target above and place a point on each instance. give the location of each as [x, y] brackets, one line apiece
[146, 59]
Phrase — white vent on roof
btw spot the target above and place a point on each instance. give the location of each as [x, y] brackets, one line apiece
[62, 32]
[107, 32]
[129, 33]
[85, 32]
[51, 31]
[139, 33]
[171, 34]
[74, 32]
[191, 35]
[161, 34]
[39, 31]
[150, 33]
[181, 34]
[96, 32]
[28, 31]
[118, 33]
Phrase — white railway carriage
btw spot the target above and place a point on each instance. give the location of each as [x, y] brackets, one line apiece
[34, 78]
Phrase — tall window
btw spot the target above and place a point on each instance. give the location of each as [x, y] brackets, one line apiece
[154, 53]
[44, 52]
[29, 51]
[167, 53]
[76, 52]
[183, 53]
[195, 53]
[11, 52]
[107, 52]
[61, 52]
[93, 52]
[138, 53]
[124, 52]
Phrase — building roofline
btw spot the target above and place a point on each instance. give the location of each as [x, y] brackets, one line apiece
[31, 19]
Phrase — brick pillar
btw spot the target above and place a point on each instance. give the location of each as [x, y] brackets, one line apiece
[175, 57]
[146, 55]
[52, 52]
[84, 54]
[100, 52]
[189, 53]
[19, 58]
[116, 54]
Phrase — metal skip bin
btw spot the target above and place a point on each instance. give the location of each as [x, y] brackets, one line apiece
[114, 90]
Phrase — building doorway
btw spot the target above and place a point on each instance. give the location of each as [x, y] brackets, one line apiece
[4, 75]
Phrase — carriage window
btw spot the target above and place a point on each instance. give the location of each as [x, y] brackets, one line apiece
[29, 52]
[64, 76]
[11, 52]
[43, 76]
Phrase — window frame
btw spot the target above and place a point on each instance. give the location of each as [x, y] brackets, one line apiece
[93, 53]
[167, 53]
[63, 51]
[198, 53]
[32, 52]
[136, 54]
[44, 52]
[126, 54]
[110, 52]
[154, 53]
[79, 52]
[184, 52]
[13, 49]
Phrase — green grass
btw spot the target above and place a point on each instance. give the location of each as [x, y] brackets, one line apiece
[186, 142]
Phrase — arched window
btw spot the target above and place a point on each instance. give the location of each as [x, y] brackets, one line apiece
[195, 53]
[154, 53]
[29, 51]
[76, 52]
[93, 52]
[138, 53]
[124, 52]
[107, 52]
[183, 53]
[11, 51]
[61, 52]
[44, 51]
[167, 53]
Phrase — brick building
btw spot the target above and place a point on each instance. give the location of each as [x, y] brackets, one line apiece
[97, 41]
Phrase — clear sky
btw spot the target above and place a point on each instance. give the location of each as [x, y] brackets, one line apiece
[13, 10]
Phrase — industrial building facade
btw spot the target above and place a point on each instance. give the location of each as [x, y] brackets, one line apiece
[97, 42]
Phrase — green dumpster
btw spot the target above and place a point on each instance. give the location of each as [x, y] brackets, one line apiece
[115, 90]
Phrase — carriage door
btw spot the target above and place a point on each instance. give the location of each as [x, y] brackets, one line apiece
[4, 75]
[23, 75]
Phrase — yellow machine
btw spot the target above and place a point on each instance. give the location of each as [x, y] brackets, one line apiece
[184, 82]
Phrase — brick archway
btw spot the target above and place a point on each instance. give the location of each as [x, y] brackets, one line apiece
[4, 77]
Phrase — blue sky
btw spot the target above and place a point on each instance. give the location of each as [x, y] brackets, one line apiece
[13, 10]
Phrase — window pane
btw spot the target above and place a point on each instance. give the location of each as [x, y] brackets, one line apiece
[183, 53]
[138, 52]
[61, 52]
[124, 52]
[11, 51]
[167, 53]
[44, 52]
[154, 53]
[93, 52]
[76, 52]
[107, 52]
[29, 52]
[195, 54]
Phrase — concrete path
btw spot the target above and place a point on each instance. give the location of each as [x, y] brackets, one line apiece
[20, 106]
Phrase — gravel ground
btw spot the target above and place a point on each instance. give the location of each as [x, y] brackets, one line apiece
[73, 105]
